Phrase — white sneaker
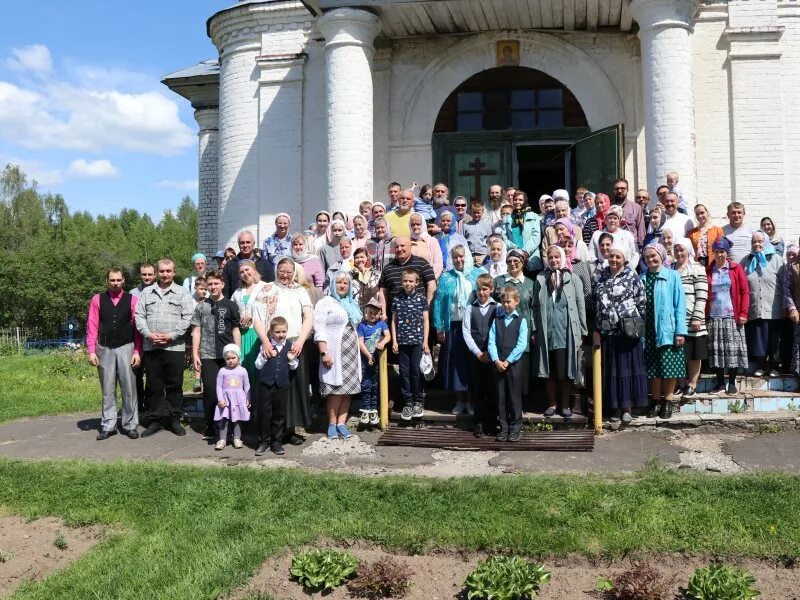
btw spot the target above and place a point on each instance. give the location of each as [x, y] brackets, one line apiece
[374, 419]
[470, 408]
[758, 373]
[237, 443]
[364, 418]
[774, 373]
[459, 408]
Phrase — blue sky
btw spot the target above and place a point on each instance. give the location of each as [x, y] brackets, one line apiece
[82, 108]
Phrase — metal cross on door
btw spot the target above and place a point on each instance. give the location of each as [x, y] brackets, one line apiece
[474, 172]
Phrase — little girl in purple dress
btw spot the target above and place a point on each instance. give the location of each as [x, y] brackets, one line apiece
[233, 397]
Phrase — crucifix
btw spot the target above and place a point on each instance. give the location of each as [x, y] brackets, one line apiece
[476, 172]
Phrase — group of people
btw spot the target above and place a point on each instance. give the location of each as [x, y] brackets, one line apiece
[512, 295]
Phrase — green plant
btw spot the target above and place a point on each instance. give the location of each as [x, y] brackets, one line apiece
[505, 578]
[385, 578]
[258, 595]
[768, 428]
[737, 406]
[640, 582]
[6, 555]
[60, 542]
[530, 425]
[721, 582]
[323, 569]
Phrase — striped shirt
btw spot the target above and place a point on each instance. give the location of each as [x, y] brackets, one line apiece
[695, 287]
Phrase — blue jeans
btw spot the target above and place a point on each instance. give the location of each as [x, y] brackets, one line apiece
[369, 384]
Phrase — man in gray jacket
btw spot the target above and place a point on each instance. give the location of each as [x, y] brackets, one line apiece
[163, 315]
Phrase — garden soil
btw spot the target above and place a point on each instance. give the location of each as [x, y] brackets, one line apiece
[29, 553]
[440, 576]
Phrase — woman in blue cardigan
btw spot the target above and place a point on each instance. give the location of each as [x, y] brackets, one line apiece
[665, 329]
[452, 299]
[522, 230]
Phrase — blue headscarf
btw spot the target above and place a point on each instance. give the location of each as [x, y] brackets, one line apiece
[346, 302]
[463, 285]
[759, 260]
[443, 237]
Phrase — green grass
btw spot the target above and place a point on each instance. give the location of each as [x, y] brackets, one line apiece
[198, 532]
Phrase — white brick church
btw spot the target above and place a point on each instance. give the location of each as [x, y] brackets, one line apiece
[318, 104]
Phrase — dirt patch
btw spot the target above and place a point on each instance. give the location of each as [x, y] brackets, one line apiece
[31, 550]
[440, 576]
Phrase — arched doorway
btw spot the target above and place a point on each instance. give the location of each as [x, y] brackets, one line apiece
[518, 126]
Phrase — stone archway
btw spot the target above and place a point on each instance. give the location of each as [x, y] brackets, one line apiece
[544, 52]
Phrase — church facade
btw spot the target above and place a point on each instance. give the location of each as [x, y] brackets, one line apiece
[316, 105]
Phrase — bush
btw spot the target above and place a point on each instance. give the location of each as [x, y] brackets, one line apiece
[640, 582]
[385, 578]
[505, 578]
[323, 569]
[722, 582]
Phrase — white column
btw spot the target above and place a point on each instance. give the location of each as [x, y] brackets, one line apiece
[349, 34]
[208, 192]
[664, 32]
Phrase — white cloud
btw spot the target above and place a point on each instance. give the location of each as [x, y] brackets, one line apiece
[89, 117]
[93, 168]
[189, 185]
[34, 170]
[35, 58]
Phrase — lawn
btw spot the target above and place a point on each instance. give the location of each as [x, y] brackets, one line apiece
[189, 532]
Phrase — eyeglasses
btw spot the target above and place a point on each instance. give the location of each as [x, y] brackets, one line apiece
[620, 189]
[513, 260]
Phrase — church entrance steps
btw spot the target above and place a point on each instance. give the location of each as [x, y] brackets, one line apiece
[460, 439]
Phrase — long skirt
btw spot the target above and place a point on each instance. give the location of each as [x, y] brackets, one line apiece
[251, 346]
[727, 348]
[764, 338]
[298, 408]
[453, 363]
[663, 362]
[624, 373]
[351, 371]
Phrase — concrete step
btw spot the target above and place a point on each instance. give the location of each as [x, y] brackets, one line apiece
[436, 416]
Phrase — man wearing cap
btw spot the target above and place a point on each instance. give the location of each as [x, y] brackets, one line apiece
[247, 251]
[163, 315]
[114, 346]
[220, 258]
[199, 263]
[632, 216]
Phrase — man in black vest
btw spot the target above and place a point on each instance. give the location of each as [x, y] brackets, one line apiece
[114, 346]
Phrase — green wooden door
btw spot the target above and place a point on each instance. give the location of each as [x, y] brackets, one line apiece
[599, 159]
[472, 171]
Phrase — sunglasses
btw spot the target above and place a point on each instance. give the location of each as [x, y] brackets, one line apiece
[461, 206]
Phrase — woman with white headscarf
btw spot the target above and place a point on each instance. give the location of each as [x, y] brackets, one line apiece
[361, 233]
[452, 299]
[279, 244]
[329, 254]
[559, 325]
[764, 269]
[695, 288]
[379, 247]
[495, 262]
[312, 267]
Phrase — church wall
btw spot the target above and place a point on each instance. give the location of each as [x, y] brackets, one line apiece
[712, 112]
[315, 139]
[789, 18]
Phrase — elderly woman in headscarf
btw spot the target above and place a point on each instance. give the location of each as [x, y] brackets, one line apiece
[449, 238]
[665, 329]
[361, 234]
[423, 245]
[330, 254]
[452, 299]
[380, 246]
[695, 289]
[619, 294]
[559, 328]
[495, 262]
[286, 298]
[727, 310]
[312, 267]
[764, 269]
[377, 211]
[622, 237]
[345, 263]
[199, 266]
[768, 227]
[597, 220]
[336, 318]
[791, 292]
[655, 226]
[322, 220]
[279, 244]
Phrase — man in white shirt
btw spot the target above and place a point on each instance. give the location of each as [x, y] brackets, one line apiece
[677, 222]
[739, 235]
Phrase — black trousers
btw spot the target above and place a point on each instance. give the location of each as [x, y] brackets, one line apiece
[509, 398]
[482, 393]
[165, 378]
[271, 412]
[208, 373]
[408, 357]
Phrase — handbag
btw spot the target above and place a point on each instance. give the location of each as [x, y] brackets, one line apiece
[633, 327]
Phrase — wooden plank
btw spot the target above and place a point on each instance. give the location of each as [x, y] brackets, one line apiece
[536, 13]
[569, 15]
[477, 12]
[427, 24]
[446, 437]
[603, 12]
[491, 17]
[615, 13]
[558, 14]
[626, 18]
[440, 16]
[547, 13]
[580, 14]
[524, 14]
[465, 8]
[457, 15]
[411, 20]
[592, 14]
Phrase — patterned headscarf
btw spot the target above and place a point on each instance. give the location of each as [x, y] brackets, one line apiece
[555, 280]
[662, 251]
